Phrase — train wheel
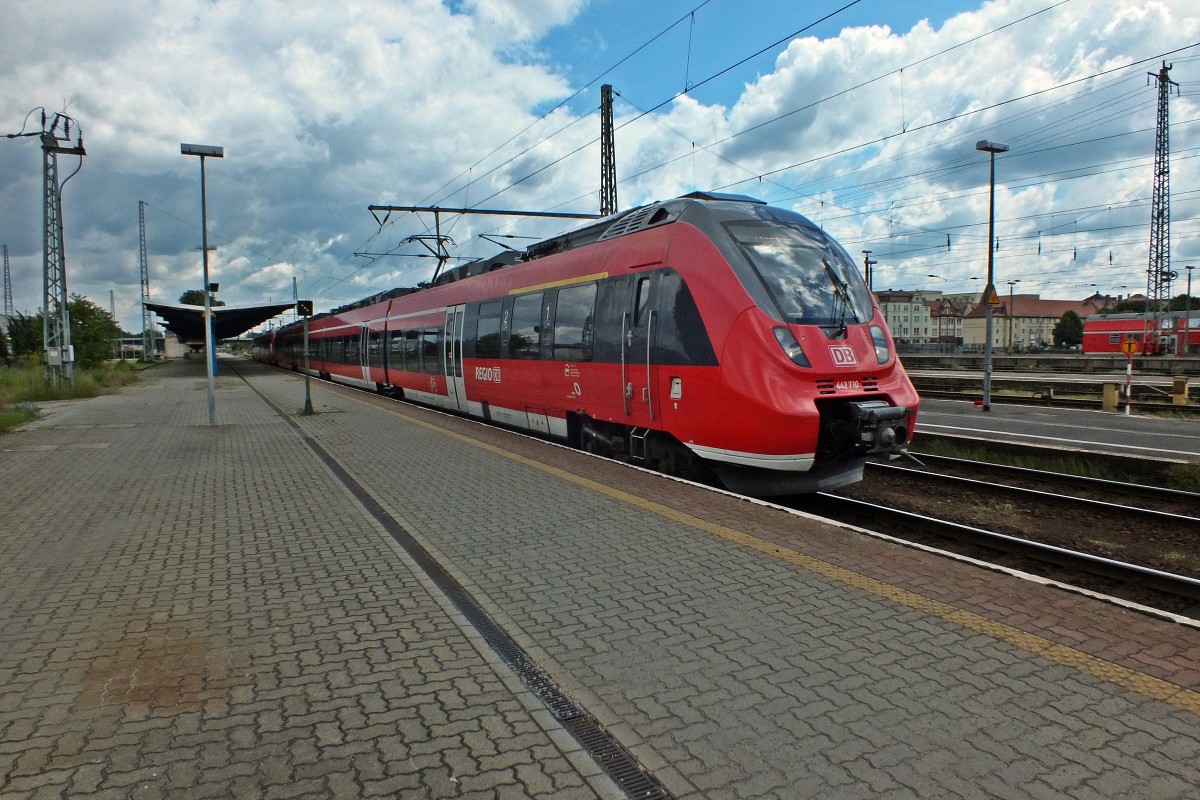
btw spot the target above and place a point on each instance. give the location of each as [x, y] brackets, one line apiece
[677, 460]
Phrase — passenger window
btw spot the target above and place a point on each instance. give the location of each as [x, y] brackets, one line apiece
[374, 351]
[412, 351]
[525, 339]
[642, 301]
[396, 350]
[487, 342]
[574, 322]
[429, 351]
[487, 332]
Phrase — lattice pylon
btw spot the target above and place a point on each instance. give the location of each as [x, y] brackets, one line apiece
[1158, 272]
[608, 154]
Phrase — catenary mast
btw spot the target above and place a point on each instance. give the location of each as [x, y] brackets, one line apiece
[608, 154]
[8, 299]
[147, 330]
[56, 327]
[1158, 273]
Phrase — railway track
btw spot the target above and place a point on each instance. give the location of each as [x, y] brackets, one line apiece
[1148, 553]
[1141, 404]
[1126, 496]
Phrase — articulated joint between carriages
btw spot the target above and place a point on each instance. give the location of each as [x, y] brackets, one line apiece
[882, 429]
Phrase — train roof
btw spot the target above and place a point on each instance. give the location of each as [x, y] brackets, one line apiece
[623, 223]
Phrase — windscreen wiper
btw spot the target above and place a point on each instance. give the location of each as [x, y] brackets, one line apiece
[841, 293]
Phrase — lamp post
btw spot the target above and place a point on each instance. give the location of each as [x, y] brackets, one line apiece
[1010, 312]
[989, 293]
[206, 151]
[868, 262]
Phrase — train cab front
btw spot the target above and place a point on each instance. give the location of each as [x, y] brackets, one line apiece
[838, 360]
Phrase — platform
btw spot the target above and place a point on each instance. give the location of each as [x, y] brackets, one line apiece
[236, 610]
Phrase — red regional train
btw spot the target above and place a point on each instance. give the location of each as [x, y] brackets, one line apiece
[709, 336]
[1178, 332]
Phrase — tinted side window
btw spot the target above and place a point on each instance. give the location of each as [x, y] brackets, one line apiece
[396, 350]
[680, 335]
[642, 301]
[374, 349]
[429, 351]
[412, 351]
[525, 338]
[574, 316]
[487, 335]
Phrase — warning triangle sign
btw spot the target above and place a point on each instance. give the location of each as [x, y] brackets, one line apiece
[989, 296]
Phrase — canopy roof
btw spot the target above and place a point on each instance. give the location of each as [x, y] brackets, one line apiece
[187, 321]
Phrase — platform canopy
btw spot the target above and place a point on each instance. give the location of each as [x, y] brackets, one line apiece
[187, 321]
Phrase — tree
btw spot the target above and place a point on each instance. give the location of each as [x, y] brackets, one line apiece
[195, 297]
[25, 333]
[1179, 303]
[1069, 329]
[94, 332]
[1130, 307]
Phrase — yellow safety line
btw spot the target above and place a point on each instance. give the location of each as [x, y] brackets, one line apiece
[1140, 682]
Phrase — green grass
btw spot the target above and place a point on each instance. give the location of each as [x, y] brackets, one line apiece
[24, 385]
[1185, 477]
[1068, 465]
[16, 416]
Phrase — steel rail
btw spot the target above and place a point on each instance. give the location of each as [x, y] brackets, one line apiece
[1101, 484]
[1131, 574]
[1043, 495]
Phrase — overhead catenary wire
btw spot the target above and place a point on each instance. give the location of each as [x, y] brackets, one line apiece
[1087, 118]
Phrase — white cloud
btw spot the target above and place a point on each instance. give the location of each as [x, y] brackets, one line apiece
[326, 108]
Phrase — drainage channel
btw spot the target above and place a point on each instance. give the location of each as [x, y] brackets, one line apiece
[610, 754]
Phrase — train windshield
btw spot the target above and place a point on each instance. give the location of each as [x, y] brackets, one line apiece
[810, 278]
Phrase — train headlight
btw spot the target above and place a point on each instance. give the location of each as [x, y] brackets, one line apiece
[790, 346]
[879, 338]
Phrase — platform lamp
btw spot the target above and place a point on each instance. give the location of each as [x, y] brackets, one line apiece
[206, 151]
[989, 293]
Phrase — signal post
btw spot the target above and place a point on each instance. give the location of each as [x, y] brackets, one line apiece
[1129, 347]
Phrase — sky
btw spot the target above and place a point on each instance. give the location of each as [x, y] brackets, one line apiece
[862, 116]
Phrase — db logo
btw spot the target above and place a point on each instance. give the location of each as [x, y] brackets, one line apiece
[843, 355]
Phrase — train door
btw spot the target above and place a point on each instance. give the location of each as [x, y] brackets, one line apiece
[376, 358]
[364, 362]
[638, 372]
[456, 389]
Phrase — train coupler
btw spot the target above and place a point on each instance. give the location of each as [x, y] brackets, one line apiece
[882, 429]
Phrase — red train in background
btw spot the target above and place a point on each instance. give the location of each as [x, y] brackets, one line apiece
[1176, 332]
[709, 336]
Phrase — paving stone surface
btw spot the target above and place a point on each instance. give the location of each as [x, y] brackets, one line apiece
[199, 611]
[192, 611]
